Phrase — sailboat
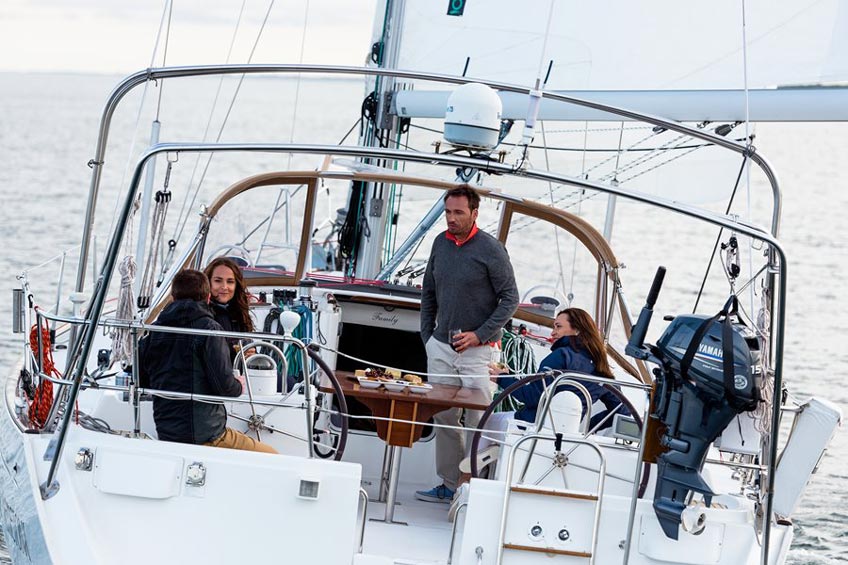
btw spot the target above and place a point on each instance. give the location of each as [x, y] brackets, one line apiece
[698, 474]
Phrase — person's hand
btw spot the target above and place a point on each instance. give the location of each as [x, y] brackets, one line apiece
[496, 369]
[249, 352]
[240, 378]
[464, 340]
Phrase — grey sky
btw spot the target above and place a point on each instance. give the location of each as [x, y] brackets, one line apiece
[118, 36]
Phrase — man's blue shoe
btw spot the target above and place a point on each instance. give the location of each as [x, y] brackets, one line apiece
[440, 493]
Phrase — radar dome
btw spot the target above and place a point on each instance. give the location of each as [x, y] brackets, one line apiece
[473, 117]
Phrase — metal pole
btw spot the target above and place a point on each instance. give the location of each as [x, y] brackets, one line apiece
[310, 402]
[270, 223]
[147, 196]
[631, 515]
[394, 473]
[59, 285]
[384, 473]
[409, 244]
[778, 386]
[79, 356]
[134, 386]
[140, 77]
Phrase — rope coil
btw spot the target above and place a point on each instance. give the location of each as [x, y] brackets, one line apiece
[39, 408]
[121, 337]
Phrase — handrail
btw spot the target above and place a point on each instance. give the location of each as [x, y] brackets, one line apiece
[131, 324]
[79, 352]
[545, 402]
[174, 395]
[508, 486]
[130, 82]
[549, 392]
[363, 495]
[50, 486]
[777, 254]
[459, 509]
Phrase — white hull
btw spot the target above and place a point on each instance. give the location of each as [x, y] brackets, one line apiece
[249, 509]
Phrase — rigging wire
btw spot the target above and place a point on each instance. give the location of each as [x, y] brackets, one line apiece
[294, 193]
[166, 11]
[581, 195]
[181, 225]
[720, 231]
[164, 57]
[299, 76]
[631, 149]
[211, 114]
[551, 194]
[263, 244]
[748, 213]
[580, 192]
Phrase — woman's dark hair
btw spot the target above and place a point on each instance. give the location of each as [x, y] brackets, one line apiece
[589, 338]
[241, 310]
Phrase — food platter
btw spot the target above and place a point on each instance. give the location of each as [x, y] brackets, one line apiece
[391, 380]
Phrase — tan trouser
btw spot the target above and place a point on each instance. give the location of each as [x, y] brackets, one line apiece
[451, 444]
[231, 439]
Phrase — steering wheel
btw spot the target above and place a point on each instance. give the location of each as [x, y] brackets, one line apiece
[328, 440]
[241, 253]
[556, 295]
[475, 441]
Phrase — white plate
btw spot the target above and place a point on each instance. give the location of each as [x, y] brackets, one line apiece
[365, 382]
[395, 386]
[420, 389]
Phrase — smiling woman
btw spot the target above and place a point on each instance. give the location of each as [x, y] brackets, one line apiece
[229, 300]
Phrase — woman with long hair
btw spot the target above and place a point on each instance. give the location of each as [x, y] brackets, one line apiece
[229, 301]
[577, 347]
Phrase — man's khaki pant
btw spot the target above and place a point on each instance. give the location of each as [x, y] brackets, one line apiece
[451, 444]
[231, 439]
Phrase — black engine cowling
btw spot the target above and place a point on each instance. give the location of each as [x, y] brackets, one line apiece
[710, 372]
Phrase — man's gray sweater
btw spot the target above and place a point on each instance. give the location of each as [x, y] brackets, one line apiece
[468, 287]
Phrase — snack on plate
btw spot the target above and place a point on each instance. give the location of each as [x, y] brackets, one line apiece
[378, 374]
[414, 379]
[359, 373]
[365, 382]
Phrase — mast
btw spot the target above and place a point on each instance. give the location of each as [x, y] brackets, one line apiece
[380, 133]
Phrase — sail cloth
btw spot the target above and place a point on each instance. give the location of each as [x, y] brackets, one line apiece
[646, 45]
[764, 105]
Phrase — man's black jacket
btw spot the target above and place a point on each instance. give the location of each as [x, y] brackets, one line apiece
[187, 363]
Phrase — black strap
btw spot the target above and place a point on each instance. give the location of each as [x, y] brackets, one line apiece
[730, 307]
[727, 353]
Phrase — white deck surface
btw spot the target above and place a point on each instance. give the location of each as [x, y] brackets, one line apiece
[425, 538]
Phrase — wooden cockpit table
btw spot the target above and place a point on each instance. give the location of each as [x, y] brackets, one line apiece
[390, 407]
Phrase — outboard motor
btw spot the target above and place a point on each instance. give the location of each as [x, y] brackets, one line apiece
[709, 371]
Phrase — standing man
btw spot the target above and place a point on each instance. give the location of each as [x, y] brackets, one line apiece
[196, 364]
[468, 295]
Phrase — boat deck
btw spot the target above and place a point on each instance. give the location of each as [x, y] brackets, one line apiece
[425, 537]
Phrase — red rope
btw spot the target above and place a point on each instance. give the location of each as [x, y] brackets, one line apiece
[39, 408]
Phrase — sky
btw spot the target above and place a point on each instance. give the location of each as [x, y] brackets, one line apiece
[118, 36]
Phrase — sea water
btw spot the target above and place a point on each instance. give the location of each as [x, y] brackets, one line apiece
[48, 125]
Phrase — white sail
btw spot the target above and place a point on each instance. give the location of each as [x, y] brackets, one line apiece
[653, 45]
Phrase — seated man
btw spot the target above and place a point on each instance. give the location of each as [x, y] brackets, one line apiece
[196, 364]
